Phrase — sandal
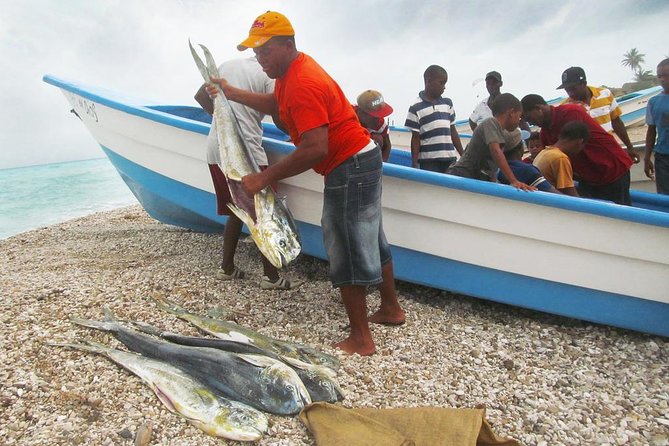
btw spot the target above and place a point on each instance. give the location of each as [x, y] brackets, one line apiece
[280, 284]
[235, 274]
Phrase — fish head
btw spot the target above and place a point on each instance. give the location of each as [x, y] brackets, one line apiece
[283, 389]
[238, 422]
[276, 236]
[322, 384]
[319, 358]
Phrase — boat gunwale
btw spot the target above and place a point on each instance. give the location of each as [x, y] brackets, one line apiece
[610, 210]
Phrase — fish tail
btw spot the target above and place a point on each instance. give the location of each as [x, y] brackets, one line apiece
[211, 63]
[198, 61]
[98, 325]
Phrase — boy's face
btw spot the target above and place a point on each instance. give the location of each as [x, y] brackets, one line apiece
[367, 120]
[663, 77]
[511, 119]
[534, 146]
[573, 147]
[493, 86]
[436, 85]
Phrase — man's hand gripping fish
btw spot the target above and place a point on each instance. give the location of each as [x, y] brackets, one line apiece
[267, 217]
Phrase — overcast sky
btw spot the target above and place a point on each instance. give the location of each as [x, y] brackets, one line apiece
[140, 48]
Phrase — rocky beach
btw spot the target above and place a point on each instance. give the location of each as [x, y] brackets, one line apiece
[544, 380]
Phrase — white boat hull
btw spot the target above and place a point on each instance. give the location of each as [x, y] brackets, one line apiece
[589, 260]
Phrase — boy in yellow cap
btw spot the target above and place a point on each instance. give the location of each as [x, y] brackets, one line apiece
[329, 139]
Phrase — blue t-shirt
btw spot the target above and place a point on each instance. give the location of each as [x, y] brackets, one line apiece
[528, 174]
[657, 114]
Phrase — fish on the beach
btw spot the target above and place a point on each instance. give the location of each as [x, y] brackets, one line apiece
[320, 381]
[256, 380]
[183, 395]
[235, 332]
[270, 222]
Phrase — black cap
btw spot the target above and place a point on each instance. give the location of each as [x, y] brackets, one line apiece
[572, 75]
[494, 74]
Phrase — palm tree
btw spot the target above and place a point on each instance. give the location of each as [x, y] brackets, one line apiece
[633, 59]
[643, 76]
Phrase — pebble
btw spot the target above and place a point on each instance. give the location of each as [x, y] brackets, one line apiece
[544, 379]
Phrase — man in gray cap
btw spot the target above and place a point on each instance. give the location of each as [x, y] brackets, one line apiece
[493, 83]
[600, 104]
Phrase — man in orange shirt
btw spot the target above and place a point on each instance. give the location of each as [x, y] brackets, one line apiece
[329, 139]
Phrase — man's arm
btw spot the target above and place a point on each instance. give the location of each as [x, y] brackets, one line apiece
[620, 130]
[415, 148]
[500, 160]
[472, 125]
[204, 100]
[648, 166]
[455, 137]
[263, 102]
[313, 148]
[385, 147]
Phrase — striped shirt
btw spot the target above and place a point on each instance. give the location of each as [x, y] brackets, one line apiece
[602, 108]
[432, 120]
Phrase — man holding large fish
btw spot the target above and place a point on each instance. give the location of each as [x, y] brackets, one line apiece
[329, 139]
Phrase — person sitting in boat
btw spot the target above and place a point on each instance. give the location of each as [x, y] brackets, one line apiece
[244, 73]
[553, 161]
[487, 143]
[600, 104]
[435, 143]
[371, 109]
[330, 140]
[514, 148]
[534, 146]
[657, 134]
[602, 165]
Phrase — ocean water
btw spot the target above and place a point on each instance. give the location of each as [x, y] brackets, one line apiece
[37, 196]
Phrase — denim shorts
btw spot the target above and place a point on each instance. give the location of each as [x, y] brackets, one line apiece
[352, 227]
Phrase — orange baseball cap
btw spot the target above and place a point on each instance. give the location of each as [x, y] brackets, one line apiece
[265, 27]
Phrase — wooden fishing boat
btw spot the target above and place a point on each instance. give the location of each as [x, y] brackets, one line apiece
[580, 258]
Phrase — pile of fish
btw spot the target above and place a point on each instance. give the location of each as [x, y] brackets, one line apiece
[220, 385]
[266, 215]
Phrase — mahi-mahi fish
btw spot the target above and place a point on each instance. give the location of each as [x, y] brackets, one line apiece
[270, 222]
[257, 380]
[183, 395]
[320, 381]
[230, 330]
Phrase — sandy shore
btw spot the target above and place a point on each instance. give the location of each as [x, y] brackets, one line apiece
[544, 379]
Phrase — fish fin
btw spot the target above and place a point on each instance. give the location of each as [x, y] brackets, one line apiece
[198, 61]
[242, 215]
[296, 363]
[257, 360]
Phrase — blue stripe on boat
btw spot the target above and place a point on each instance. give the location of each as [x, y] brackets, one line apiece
[195, 209]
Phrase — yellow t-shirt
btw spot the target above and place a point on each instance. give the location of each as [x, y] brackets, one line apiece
[555, 167]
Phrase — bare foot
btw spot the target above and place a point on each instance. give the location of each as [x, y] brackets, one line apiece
[387, 317]
[351, 346]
